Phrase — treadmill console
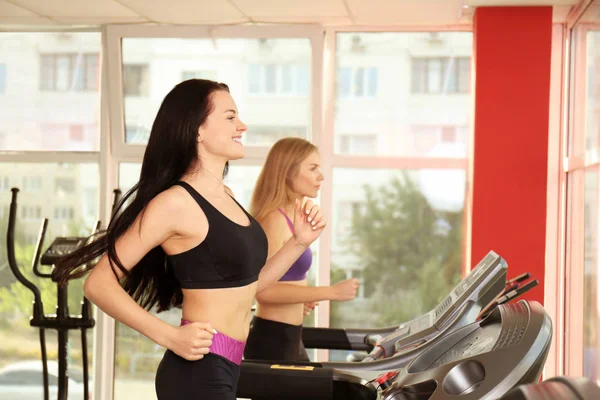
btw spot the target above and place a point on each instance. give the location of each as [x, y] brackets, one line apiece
[488, 274]
[471, 284]
[464, 289]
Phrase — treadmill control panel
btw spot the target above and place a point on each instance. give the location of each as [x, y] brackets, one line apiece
[464, 289]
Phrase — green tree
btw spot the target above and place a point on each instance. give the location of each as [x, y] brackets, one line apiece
[410, 252]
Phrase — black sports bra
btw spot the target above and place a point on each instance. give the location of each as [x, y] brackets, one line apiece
[231, 255]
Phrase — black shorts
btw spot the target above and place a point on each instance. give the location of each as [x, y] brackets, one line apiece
[211, 378]
[274, 341]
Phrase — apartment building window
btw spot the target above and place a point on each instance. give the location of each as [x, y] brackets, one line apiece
[31, 212]
[32, 183]
[271, 133]
[5, 183]
[65, 185]
[210, 74]
[427, 137]
[440, 74]
[357, 144]
[136, 80]
[278, 79]
[69, 72]
[136, 134]
[64, 213]
[357, 81]
[2, 78]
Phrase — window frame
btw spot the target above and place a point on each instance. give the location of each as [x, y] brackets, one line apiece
[116, 33]
[577, 161]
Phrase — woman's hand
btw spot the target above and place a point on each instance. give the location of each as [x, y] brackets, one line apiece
[308, 222]
[344, 290]
[308, 307]
[192, 341]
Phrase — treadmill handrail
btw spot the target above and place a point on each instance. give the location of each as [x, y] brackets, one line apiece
[342, 339]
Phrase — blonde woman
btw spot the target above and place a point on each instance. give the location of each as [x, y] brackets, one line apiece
[291, 172]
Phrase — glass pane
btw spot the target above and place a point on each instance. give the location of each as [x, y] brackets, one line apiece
[260, 73]
[53, 90]
[137, 357]
[392, 86]
[400, 233]
[592, 131]
[2, 78]
[66, 194]
[591, 332]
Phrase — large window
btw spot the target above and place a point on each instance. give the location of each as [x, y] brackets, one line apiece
[591, 331]
[397, 226]
[52, 100]
[68, 215]
[2, 78]
[592, 121]
[400, 234]
[381, 79]
[591, 318]
[268, 78]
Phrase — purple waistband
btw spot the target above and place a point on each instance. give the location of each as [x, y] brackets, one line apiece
[225, 346]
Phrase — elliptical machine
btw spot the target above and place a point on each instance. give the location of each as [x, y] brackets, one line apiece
[62, 321]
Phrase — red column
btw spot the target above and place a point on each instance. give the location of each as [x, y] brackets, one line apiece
[510, 149]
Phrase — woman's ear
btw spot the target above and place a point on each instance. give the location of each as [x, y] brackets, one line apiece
[199, 137]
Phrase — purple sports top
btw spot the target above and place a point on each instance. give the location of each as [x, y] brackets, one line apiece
[298, 270]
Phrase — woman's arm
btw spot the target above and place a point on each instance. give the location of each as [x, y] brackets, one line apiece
[308, 225]
[160, 219]
[285, 293]
[278, 265]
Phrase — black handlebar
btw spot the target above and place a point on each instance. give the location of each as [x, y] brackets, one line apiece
[38, 312]
[38, 251]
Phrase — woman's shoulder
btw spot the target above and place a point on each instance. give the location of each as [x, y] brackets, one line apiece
[170, 202]
[276, 221]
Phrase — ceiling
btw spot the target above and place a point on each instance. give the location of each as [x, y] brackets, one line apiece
[325, 12]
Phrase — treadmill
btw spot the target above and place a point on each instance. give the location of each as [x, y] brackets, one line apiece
[483, 284]
[393, 348]
[483, 360]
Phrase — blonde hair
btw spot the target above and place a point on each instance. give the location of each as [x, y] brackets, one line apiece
[274, 185]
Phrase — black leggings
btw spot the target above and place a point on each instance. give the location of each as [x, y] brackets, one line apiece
[274, 341]
[211, 378]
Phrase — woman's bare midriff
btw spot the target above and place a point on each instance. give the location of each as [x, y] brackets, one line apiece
[227, 310]
[292, 314]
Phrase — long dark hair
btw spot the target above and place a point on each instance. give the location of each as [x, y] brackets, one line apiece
[171, 150]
